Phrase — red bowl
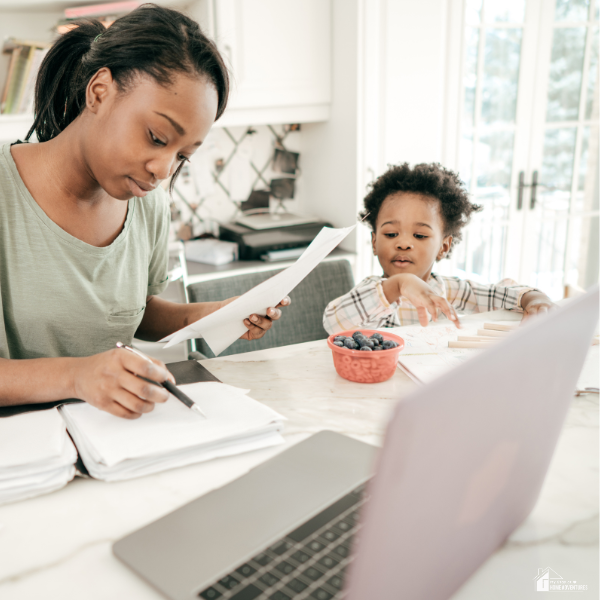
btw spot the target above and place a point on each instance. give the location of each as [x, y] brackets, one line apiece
[365, 367]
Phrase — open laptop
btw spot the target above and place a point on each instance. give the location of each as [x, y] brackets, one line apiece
[462, 464]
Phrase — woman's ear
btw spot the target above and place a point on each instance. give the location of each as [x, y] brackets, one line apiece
[100, 87]
[373, 243]
[444, 248]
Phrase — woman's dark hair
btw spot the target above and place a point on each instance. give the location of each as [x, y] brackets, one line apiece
[430, 180]
[150, 40]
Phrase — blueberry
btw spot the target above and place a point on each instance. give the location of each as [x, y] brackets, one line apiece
[387, 344]
[339, 344]
[367, 349]
[375, 342]
[377, 336]
[366, 342]
[358, 334]
[339, 338]
[350, 343]
[378, 348]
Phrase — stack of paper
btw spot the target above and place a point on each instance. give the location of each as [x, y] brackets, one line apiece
[223, 327]
[172, 435]
[36, 455]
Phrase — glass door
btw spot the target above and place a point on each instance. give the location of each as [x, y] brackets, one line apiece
[491, 110]
[529, 141]
[560, 237]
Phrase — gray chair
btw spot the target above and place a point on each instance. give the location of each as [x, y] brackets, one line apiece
[302, 321]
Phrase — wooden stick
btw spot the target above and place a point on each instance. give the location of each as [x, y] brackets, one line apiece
[470, 344]
[500, 327]
[491, 333]
[474, 338]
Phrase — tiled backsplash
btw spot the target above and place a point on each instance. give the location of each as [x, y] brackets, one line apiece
[230, 164]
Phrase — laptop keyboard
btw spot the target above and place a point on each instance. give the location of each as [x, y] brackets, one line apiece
[310, 562]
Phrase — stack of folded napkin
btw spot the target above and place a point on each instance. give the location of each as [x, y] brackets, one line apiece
[36, 455]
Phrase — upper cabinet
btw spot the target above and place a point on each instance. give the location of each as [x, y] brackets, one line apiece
[279, 54]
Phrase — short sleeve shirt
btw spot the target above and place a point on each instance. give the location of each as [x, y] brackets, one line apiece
[60, 296]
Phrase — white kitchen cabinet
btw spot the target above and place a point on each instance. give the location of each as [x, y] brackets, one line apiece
[279, 53]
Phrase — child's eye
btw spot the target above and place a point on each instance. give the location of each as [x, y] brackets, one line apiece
[420, 236]
[390, 235]
[156, 141]
[183, 158]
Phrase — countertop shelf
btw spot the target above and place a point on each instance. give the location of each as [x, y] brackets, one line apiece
[199, 272]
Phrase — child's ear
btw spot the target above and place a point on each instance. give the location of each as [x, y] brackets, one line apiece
[444, 248]
[373, 243]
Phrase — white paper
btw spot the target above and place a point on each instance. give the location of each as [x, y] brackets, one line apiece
[221, 328]
[426, 354]
[172, 435]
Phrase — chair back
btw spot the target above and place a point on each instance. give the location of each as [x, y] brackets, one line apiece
[302, 321]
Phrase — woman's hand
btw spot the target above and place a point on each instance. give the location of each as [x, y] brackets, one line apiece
[534, 304]
[258, 325]
[420, 295]
[108, 381]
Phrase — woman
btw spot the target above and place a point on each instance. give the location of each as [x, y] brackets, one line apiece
[83, 222]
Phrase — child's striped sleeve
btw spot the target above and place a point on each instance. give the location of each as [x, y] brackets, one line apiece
[472, 297]
[363, 306]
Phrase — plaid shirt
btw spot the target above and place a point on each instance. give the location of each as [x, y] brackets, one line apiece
[366, 305]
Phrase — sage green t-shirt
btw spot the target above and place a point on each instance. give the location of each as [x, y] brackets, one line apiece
[62, 297]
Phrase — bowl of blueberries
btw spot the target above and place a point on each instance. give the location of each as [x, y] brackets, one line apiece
[366, 355]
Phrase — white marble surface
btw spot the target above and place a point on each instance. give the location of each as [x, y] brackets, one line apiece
[59, 545]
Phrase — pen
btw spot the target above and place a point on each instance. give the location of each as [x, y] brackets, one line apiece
[170, 387]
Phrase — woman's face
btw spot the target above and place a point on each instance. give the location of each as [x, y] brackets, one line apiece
[138, 138]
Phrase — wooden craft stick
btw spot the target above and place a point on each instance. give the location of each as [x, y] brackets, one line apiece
[500, 327]
[470, 344]
[491, 333]
[474, 338]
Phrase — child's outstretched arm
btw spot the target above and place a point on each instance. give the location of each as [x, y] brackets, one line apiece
[420, 295]
[473, 297]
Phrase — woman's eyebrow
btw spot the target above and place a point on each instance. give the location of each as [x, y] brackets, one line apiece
[424, 225]
[176, 126]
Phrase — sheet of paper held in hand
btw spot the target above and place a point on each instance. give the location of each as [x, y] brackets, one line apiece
[221, 328]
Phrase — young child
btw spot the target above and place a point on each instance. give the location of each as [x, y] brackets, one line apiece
[417, 215]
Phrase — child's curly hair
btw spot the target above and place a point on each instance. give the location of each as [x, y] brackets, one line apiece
[431, 180]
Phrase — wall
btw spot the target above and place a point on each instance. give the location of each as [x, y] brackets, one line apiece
[416, 40]
[389, 90]
[330, 163]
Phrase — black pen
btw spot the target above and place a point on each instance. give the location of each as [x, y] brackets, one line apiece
[170, 387]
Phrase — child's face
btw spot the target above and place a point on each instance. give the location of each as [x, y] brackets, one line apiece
[409, 236]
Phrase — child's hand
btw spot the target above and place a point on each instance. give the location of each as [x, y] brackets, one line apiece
[420, 295]
[535, 303]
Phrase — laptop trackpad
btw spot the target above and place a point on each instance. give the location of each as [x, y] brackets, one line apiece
[187, 550]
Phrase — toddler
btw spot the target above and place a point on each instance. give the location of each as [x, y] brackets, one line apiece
[417, 216]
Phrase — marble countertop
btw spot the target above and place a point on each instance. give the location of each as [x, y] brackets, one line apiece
[59, 545]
